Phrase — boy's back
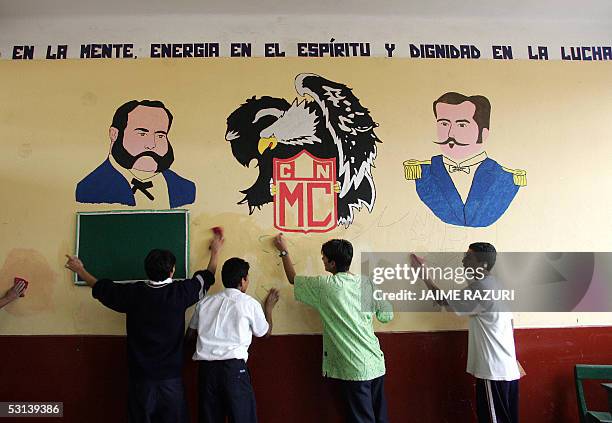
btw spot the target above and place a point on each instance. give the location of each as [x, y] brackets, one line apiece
[226, 323]
[351, 351]
[155, 322]
[155, 325]
[352, 357]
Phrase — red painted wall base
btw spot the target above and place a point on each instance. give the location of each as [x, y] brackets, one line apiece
[425, 382]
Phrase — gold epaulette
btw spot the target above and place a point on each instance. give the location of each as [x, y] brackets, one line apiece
[519, 176]
[412, 168]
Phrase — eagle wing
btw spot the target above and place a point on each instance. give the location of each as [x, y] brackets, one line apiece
[352, 129]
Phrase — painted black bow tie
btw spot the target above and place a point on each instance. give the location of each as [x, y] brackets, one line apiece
[453, 168]
[143, 187]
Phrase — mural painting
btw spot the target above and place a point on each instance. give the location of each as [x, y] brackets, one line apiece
[137, 169]
[333, 125]
[463, 186]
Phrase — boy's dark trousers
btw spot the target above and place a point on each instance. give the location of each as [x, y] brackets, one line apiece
[497, 401]
[364, 400]
[157, 401]
[224, 389]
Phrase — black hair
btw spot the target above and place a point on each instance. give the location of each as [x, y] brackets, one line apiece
[485, 253]
[159, 264]
[482, 114]
[339, 251]
[233, 271]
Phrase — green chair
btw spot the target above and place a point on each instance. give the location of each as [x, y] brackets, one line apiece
[590, 371]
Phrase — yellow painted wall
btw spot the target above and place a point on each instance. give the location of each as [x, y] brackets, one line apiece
[550, 118]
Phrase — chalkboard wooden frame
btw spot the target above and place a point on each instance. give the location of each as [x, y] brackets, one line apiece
[82, 219]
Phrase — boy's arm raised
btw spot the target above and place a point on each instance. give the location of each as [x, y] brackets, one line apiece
[281, 246]
[418, 262]
[76, 265]
[13, 293]
[269, 304]
[215, 247]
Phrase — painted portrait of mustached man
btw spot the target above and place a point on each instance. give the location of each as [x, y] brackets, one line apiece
[462, 186]
[137, 171]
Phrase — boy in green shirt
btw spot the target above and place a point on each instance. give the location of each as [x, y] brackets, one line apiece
[351, 352]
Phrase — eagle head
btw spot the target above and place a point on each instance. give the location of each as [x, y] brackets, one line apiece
[245, 124]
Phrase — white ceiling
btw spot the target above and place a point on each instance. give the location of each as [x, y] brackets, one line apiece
[561, 10]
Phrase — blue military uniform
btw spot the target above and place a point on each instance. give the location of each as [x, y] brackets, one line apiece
[493, 189]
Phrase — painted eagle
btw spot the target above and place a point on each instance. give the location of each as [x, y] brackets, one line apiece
[332, 124]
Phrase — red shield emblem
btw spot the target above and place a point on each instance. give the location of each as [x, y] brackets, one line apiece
[305, 199]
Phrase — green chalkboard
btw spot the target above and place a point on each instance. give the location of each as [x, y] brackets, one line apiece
[114, 244]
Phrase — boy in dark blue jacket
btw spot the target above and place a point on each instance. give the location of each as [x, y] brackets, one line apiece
[155, 326]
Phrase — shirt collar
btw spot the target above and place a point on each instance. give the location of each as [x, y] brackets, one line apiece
[155, 284]
[477, 159]
[232, 291]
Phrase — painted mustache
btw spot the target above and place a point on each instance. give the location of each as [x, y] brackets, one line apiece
[155, 156]
[451, 142]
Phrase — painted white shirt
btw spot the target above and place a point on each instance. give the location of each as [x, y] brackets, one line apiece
[226, 323]
[462, 173]
[491, 352]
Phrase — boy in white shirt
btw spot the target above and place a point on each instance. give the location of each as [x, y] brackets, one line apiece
[225, 323]
[491, 353]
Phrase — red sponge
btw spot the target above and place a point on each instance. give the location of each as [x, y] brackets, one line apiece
[17, 280]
